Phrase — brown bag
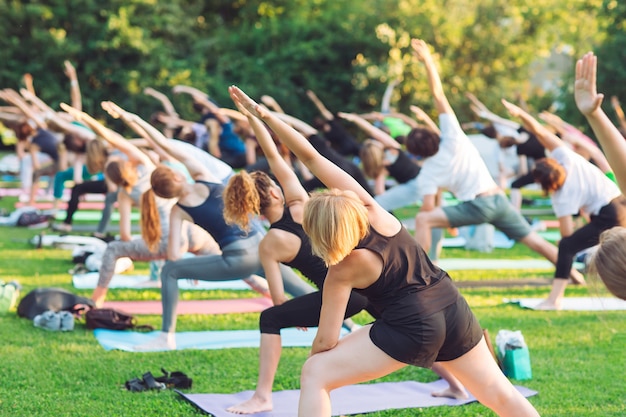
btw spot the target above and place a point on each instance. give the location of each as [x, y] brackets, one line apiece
[108, 318]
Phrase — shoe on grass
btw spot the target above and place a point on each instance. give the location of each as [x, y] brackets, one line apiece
[67, 321]
[48, 320]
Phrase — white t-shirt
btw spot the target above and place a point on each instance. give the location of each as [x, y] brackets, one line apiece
[457, 166]
[585, 187]
[218, 168]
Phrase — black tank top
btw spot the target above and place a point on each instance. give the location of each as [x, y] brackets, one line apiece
[403, 168]
[210, 216]
[409, 283]
[310, 265]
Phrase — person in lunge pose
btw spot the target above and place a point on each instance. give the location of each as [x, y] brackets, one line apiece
[201, 203]
[452, 162]
[423, 317]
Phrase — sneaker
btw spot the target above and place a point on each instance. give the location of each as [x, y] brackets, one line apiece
[62, 227]
[48, 320]
[67, 321]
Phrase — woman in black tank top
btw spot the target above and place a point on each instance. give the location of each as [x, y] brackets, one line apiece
[367, 249]
[257, 194]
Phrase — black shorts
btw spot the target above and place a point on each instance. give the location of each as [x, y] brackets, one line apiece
[442, 336]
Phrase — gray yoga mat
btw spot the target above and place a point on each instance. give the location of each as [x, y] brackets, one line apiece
[352, 399]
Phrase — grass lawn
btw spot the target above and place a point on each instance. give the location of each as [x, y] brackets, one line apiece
[578, 358]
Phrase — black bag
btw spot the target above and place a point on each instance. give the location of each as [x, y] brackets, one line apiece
[31, 218]
[56, 299]
[108, 318]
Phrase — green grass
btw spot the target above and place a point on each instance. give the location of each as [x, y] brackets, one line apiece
[577, 358]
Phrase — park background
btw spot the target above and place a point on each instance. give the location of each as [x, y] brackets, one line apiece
[347, 52]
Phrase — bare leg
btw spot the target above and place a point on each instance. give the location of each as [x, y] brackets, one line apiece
[269, 356]
[355, 359]
[424, 222]
[98, 296]
[553, 302]
[455, 388]
[480, 374]
[164, 341]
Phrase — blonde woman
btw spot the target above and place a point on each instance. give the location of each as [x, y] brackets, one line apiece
[423, 316]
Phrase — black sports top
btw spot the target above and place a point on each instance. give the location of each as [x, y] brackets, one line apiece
[409, 284]
[403, 168]
[210, 216]
[311, 266]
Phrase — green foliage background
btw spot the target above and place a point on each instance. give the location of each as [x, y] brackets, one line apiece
[347, 51]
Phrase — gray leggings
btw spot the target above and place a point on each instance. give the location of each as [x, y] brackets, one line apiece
[238, 260]
[193, 238]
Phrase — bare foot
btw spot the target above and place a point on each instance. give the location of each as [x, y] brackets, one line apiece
[451, 393]
[164, 341]
[548, 305]
[253, 405]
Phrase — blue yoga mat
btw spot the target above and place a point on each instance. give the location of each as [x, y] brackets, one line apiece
[212, 339]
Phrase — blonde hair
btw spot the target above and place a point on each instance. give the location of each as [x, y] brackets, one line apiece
[372, 155]
[335, 221]
[97, 154]
[609, 261]
[245, 195]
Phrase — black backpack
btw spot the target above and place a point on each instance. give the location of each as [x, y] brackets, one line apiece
[56, 299]
[109, 318]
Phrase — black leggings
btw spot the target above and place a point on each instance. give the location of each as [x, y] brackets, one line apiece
[303, 311]
[611, 215]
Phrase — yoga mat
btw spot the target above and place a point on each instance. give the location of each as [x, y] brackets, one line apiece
[211, 339]
[575, 303]
[550, 235]
[352, 399]
[90, 280]
[66, 241]
[94, 215]
[453, 264]
[49, 205]
[237, 305]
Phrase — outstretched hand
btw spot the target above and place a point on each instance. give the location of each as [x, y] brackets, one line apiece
[420, 50]
[587, 98]
[115, 111]
[246, 104]
[513, 110]
[351, 117]
[69, 70]
[75, 113]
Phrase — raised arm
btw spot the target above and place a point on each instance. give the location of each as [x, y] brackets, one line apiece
[482, 111]
[326, 114]
[116, 140]
[163, 99]
[301, 126]
[75, 96]
[549, 140]
[330, 174]
[270, 102]
[385, 104]
[425, 118]
[154, 136]
[288, 180]
[588, 101]
[13, 97]
[370, 130]
[422, 52]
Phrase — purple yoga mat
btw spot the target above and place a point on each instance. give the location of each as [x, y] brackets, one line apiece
[353, 399]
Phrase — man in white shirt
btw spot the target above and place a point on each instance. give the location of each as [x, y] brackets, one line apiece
[453, 163]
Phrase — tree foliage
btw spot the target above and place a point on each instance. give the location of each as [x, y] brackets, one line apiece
[346, 51]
